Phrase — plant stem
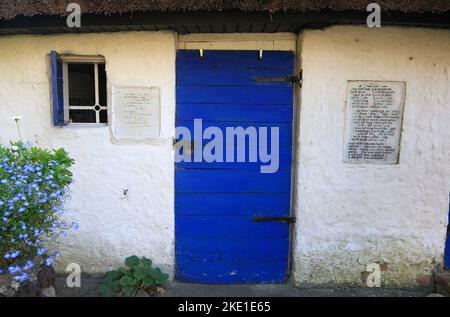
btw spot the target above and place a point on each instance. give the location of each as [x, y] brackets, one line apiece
[18, 129]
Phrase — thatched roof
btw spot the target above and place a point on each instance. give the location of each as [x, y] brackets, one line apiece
[9, 9]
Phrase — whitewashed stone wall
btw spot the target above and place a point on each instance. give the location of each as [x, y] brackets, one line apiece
[350, 215]
[111, 226]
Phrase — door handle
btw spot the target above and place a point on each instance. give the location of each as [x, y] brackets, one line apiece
[274, 219]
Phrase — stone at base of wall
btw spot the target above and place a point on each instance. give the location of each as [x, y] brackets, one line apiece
[442, 283]
[7, 287]
[41, 284]
[394, 275]
[424, 281]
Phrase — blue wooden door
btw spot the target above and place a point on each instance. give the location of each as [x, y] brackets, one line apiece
[218, 238]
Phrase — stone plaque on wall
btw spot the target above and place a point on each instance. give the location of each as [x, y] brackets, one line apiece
[373, 121]
[136, 113]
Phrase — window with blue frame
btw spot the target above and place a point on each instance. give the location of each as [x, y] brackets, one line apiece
[78, 89]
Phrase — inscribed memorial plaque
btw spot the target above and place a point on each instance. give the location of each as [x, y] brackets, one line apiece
[374, 113]
[136, 113]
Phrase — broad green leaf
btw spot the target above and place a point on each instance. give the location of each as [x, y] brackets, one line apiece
[124, 280]
[112, 275]
[148, 281]
[161, 279]
[108, 283]
[116, 286]
[128, 290]
[132, 281]
[146, 262]
[132, 261]
[160, 282]
[153, 273]
[123, 270]
[105, 291]
[141, 272]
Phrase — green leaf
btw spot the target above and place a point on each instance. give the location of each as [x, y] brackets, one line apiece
[112, 275]
[137, 273]
[115, 286]
[153, 273]
[148, 281]
[108, 283]
[160, 282]
[124, 280]
[105, 291]
[132, 281]
[128, 290]
[146, 262]
[141, 272]
[161, 279]
[123, 270]
[132, 261]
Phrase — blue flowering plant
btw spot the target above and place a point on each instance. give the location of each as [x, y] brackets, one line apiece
[34, 184]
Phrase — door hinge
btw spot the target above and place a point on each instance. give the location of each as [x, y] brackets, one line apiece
[285, 79]
[282, 79]
[273, 219]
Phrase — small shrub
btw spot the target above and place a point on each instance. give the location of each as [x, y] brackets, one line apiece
[135, 275]
[34, 183]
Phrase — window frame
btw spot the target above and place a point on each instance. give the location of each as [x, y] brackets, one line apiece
[95, 60]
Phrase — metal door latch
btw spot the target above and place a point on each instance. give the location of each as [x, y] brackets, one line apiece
[283, 79]
[273, 219]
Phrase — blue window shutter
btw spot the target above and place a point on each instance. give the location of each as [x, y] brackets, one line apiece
[57, 89]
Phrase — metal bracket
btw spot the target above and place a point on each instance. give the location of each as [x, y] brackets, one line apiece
[289, 220]
[286, 79]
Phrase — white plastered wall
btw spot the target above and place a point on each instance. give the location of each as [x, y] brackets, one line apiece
[112, 226]
[350, 215]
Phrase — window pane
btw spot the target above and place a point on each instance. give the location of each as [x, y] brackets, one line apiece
[78, 116]
[103, 116]
[82, 93]
[102, 84]
[81, 85]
